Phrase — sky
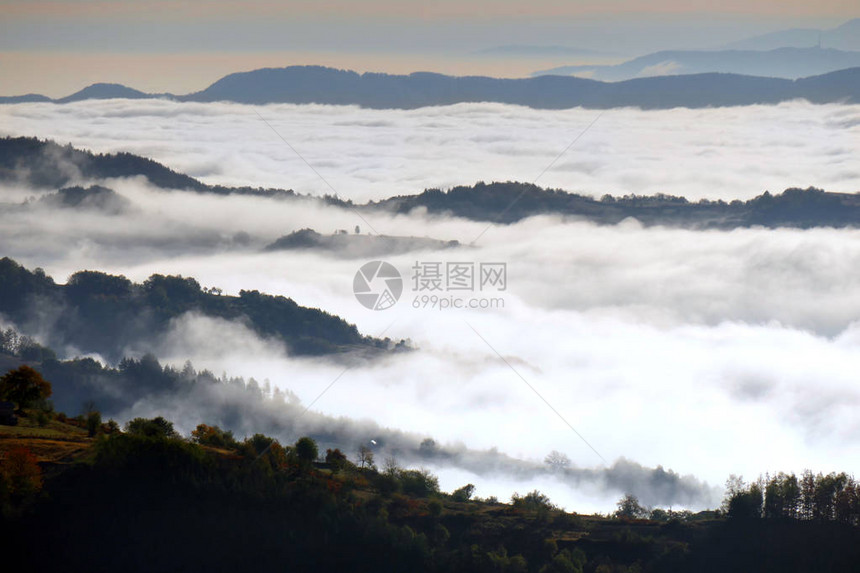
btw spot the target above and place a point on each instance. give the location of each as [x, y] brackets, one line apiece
[59, 47]
[705, 352]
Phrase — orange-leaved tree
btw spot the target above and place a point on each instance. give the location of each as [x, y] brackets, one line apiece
[24, 385]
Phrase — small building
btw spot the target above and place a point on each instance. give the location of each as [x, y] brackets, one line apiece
[7, 414]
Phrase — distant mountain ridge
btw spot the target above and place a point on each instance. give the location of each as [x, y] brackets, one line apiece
[787, 63]
[321, 85]
[500, 202]
[843, 37]
[105, 91]
[510, 202]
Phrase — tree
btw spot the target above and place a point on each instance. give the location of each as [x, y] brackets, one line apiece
[557, 461]
[155, 428]
[827, 489]
[24, 385]
[365, 457]
[306, 450]
[746, 504]
[464, 493]
[336, 459]
[428, 448]
[630, 508]
[734, 485]
[791, 496]
[390, 467]
[213, 436]
[807, 494]
[94, 423]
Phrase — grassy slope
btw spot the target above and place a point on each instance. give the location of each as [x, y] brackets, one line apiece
[56, 443]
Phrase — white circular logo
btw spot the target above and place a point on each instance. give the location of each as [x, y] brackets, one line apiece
[377, 285]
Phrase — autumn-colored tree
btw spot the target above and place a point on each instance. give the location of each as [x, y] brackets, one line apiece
[21, 472]
[266, 451]
[213, 436]
[24, 385]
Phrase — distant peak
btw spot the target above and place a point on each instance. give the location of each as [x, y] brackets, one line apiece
[105, 91]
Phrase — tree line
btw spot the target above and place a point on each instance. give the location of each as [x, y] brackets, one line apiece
[808, 497]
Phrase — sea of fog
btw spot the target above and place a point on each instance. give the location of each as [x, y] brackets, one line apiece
[706, 352]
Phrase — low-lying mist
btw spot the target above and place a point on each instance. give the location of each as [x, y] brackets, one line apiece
[721, 153]
[705, 352]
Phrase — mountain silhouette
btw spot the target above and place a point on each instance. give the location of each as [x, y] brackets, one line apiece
[45, 164]
[790, 63]
[321, 85]
[104, 91]
[843, 37]
[329, 86]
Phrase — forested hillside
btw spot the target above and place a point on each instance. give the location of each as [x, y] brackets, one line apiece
[145, 498]
[112, 316]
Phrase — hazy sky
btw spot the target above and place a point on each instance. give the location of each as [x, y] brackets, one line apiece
[58, 47]
[418, 9]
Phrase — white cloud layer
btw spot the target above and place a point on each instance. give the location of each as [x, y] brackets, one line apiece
[723, 153]
[707, 352]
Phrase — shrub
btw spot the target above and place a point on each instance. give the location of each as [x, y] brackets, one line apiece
[42, 418]
[419, 483]
[434, 507]
[532, 501]
[21, 472]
